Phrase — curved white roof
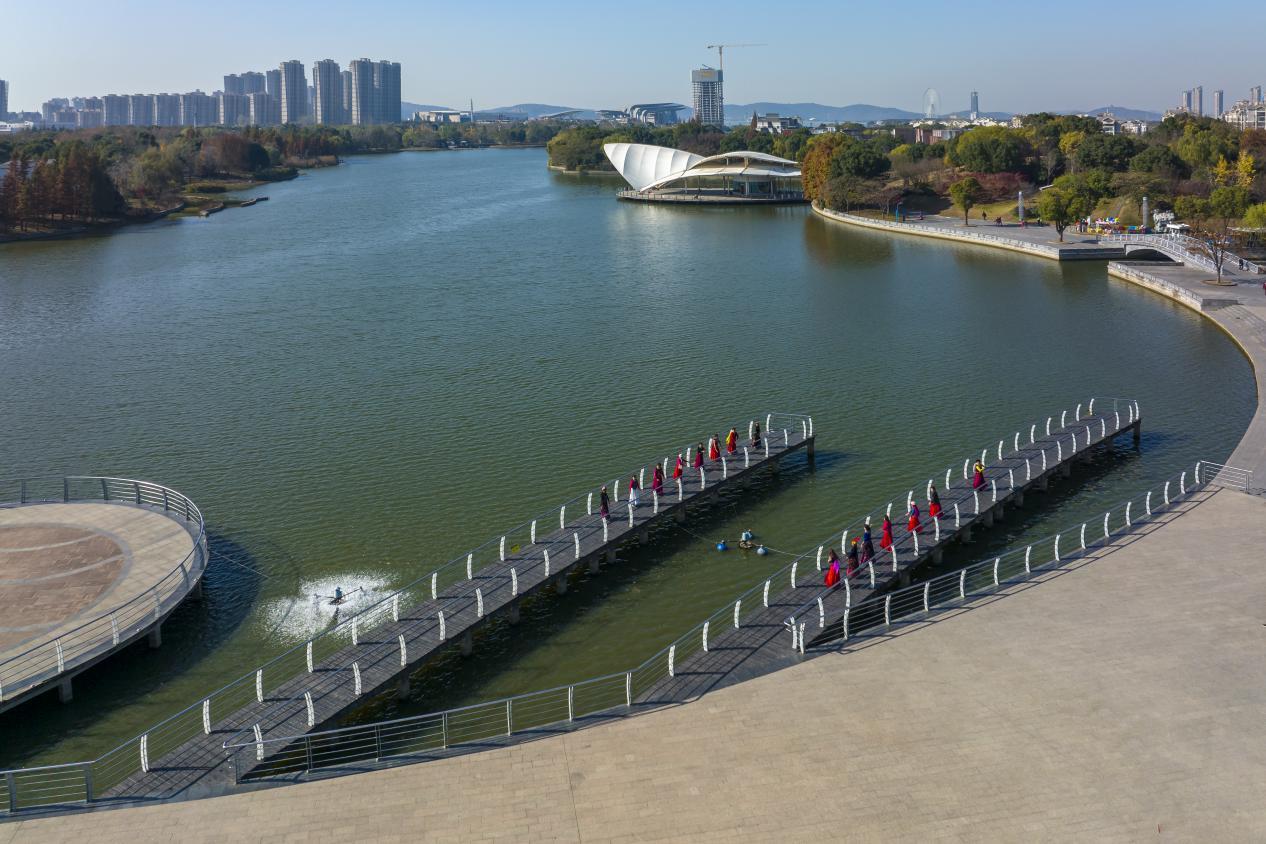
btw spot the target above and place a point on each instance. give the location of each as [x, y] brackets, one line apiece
[645, 166]
[642, 165]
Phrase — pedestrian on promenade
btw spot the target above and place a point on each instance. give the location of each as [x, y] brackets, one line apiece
[885, 534]
[851, 568]
[934, 502]
[832, 569]
[635, 492]
[1264, 287]
[913, 524]
[756, 425]
[680, 467]
[604, 505]
[714, 448]
[731, 441]
[657, 481]
[868, 547]
[699, 457]
[978, 479]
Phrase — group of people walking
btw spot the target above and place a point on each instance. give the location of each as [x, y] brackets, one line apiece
[696, 461]
[862, 549]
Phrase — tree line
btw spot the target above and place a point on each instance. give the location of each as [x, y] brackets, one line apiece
[104, 175]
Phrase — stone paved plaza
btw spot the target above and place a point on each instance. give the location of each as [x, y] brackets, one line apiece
[1117, 699]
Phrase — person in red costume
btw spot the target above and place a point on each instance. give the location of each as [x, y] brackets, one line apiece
[832, 570]
[714, 448]
[699, 457]
[657, 481]
[731, 441]
[885, 536]
[913, 525]
[934, 502]
[680, 467]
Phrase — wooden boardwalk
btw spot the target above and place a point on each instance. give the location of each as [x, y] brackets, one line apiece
[393, 639]
[766, 640]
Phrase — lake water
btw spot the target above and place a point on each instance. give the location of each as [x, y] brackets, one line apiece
[395, 359]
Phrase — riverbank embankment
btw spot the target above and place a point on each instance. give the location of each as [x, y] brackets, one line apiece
[1041, 241]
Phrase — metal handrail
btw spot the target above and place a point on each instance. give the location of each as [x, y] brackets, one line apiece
[1189, 248]
[912, 601]
[18, 673]
[1133, 415]
[133, 755]
[660, 664]
[917, 599]
[769, 420]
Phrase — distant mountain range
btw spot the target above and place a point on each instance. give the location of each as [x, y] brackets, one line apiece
[738, 113]
[1125, 113]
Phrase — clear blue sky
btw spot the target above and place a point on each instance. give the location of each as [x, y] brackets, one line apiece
[1020, 56]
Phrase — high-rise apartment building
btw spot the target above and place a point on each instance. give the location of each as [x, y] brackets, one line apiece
[1199, 103]
[1186, 100]
[327, 95]
[140, 110]
[262, 109]
[346, 90]
[114, 109]
[709, 99]
[89, 118]
[233, 109]
[1255, 94]
[233, 84]
[272, 83]
[387, 81]
[975, 105]
[4, 99]
[198, 109]
[1217, 103]
[252, 82]
[294, 91]
[166, 109]
[364, 110]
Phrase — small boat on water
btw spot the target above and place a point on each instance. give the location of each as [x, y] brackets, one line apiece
[247, 203]
[261, 199]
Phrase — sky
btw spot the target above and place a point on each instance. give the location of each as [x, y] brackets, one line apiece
[1020, 56]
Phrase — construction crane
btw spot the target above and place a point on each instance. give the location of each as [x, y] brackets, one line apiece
[720, 48]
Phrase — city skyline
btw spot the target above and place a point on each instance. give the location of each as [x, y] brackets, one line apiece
[827, 68]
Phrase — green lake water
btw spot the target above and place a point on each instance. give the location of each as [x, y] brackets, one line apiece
[396, 359]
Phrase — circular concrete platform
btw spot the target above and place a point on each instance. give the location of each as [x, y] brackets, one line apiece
[81, 579]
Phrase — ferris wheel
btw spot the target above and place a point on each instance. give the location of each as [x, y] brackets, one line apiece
[931, 103]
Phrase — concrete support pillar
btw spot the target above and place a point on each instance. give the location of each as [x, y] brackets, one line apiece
[156, 636]
[402, 687]
[1138, 431]
[937, 554]
[595, 563]
[467, 643]
[809, 450]
[1066, 469]
[643, 536]
[512, 613]
[65, 691]
[987, 517]
[610, 556]
[1042, 483]
[966, 533]
[679, 515]
[196, 592]
[560, 584]
[775, 465]
[1019, 498]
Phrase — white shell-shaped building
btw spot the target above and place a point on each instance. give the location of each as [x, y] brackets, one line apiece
[665, 173]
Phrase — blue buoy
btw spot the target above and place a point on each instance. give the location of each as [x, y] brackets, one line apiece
[762, 550]
[721, 546]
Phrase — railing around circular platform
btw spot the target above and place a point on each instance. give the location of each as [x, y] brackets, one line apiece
[68, 650]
